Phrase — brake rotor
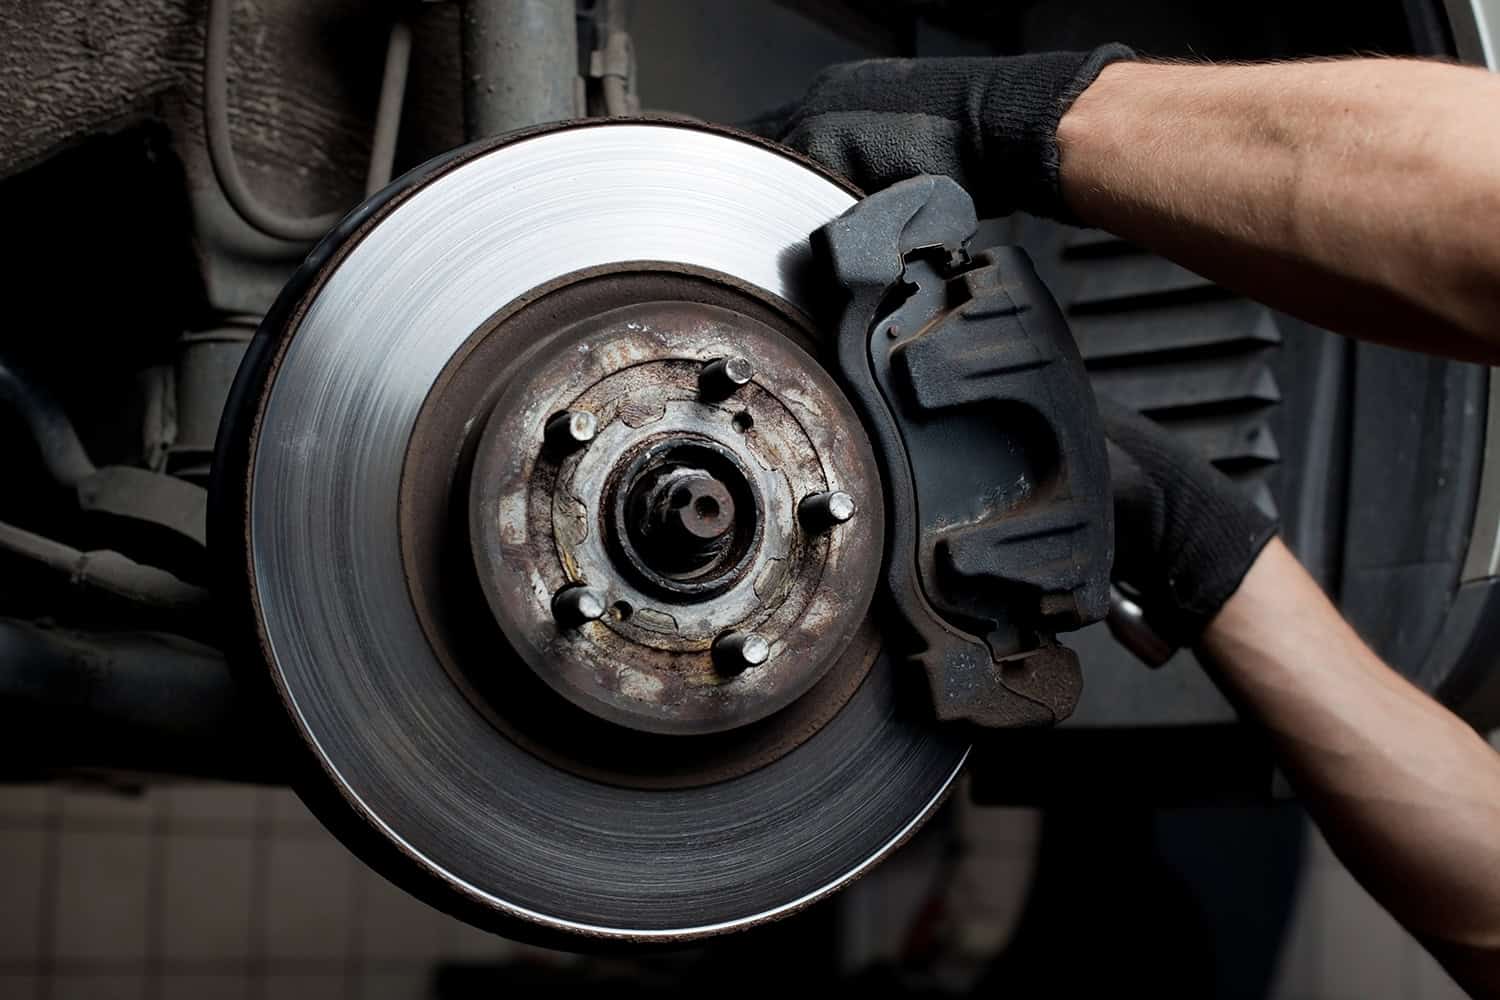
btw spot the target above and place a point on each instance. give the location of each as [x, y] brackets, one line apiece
[559, 544]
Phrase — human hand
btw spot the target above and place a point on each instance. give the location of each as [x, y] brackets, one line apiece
[989, 123]
[1184, 535]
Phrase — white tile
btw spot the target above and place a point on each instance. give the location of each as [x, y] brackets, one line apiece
[396, 986]
[466, 943]
[94, 808]
[1361, 949]
[531, 954]
[1003, 830]
[1300, 963]
[883, 905]
[287, 813]
[304, 986]
[207, 897]
[212, 805]
[308, 890]
[1317, 850]
[27, 803]
[396, 925]
[21, 870]
[198, 986]
[1433, 982]
[99, 986]
[101, 895]
[988, 897]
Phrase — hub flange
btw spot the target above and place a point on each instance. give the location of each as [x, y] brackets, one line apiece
[682, 509]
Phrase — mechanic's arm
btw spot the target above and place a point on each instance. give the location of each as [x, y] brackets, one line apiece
[1361, 194]
[1406, 793]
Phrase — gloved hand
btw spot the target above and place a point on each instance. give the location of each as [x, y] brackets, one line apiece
[990, 124]
[1184, 535]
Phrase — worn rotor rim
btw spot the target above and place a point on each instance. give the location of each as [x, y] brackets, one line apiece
[290, 319]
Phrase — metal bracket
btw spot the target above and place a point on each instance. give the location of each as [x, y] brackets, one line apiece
[1000, 528]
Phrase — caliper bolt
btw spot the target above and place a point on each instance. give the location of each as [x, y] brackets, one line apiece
[737, 651]
[823, 511]
[722, 378]
[576, 604]
[570, 430]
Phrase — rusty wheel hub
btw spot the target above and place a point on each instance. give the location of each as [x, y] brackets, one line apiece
[679, 514]
[633, 487]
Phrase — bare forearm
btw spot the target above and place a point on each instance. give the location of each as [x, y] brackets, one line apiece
[1406, 793]
[1362, 195]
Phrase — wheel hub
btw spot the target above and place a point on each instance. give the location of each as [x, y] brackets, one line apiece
[680, 513]
[684, 516]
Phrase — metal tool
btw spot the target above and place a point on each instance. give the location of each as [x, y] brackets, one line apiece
[1131, 627]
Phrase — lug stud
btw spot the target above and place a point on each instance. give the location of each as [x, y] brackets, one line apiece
[570, 430]
[824, 511]
[737, 651]
[576, 604]
[720, 379]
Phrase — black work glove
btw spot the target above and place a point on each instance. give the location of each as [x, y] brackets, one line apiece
[990, 124]
[1185, 536]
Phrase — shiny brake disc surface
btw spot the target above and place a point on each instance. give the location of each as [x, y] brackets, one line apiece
[464, 810]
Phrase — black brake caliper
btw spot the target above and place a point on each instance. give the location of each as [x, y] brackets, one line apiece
[1000, 530]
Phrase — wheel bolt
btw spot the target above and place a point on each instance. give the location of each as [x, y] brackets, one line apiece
[576, 604]
[570, 430]
[823, 511]
[720, 379]
[736, 651]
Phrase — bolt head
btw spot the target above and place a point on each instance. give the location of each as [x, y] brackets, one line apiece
[722, 377]
[738, 370]
[737, 651]
[571, 430]
[581, 426]
[755, 650]
[576, 604]
[822, 511]
[590, 605]
[840, 506]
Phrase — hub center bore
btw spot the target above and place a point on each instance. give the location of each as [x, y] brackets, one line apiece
[683, 521]
[685, 518]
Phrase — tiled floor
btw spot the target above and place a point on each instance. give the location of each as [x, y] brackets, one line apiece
[205, 892]
[208, 892]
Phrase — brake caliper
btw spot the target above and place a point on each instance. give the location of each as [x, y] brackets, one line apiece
[1000, 530]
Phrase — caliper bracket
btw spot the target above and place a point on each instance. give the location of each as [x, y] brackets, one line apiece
[1000, 530]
